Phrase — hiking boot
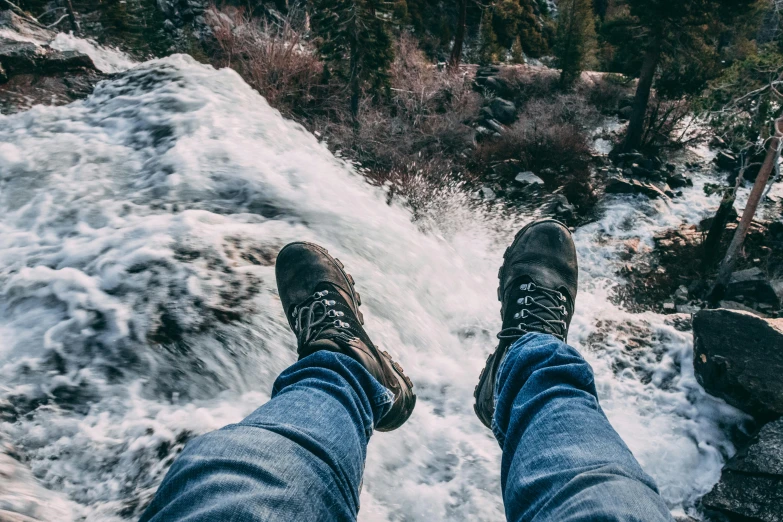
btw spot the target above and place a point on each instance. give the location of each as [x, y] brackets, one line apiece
[322, 307]
[537, 290]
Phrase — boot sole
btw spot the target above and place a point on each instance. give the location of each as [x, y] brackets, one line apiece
[357, 301]
[501, 273]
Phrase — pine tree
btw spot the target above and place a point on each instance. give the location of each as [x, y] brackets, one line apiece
[575, 38]
[517, 53]
[488, 42]
[530, 31]
[354, 44]
[678, 34]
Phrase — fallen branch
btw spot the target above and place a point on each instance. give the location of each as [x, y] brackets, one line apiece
[63, 17]
[733, 253]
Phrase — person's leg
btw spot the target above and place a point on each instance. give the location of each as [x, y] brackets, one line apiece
[298, 457]
[562, 460]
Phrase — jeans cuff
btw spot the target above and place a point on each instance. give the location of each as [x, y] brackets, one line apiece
[382, 399]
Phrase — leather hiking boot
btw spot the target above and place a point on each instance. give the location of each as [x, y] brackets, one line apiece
[538, 282]
[322, 307]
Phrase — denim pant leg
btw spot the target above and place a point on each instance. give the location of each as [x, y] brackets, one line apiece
[562, 460]
[298, 457]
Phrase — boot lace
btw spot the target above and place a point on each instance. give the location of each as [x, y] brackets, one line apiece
[542, 310]
[314, 315]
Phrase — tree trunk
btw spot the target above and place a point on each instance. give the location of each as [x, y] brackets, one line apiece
[72, 18]
[459, 39]
[711, 247]
[633, 138]
[355, 84]
[727, 265]
[354, 81]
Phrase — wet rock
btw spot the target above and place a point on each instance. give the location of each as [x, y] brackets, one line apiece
[751, 484]
[33, 73]
[726, 161]
[678, 181]
[643, 172]
[486, 113]
[504, 111]
[752, 285]
[630, 157]
[495, 126]
[739, 357]
[528, 178]
[620, 185]
[733, 305]
[561, 208]
[487, 193]
[28, 30]
[717, 142]
[681, 294]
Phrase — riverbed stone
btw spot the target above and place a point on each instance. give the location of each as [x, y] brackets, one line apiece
[738, 357]
[751, 484]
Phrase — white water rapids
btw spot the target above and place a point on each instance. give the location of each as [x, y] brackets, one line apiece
[138, 308]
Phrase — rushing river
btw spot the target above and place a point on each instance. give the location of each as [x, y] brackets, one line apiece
[138, 308]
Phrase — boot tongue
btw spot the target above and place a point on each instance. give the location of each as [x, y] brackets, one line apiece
[320, 344]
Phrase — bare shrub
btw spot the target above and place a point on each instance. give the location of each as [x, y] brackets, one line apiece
[606, 91]
[419, 131]
[271, 57]
[549, 139]
[670, 124]
[526, 82]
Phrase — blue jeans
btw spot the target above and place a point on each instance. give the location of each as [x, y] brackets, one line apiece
[300, 457]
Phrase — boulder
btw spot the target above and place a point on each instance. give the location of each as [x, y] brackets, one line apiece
[620, 185]
[678, 181]
[32, 72]
[18, 57]
[738, 357]
[751, 484]
[487, 193]
[504, 111]
[494, 125]
[528, 178]
[752, 285]
[561, 208]
[486, 114]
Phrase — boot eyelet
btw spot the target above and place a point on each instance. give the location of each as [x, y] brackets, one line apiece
[523, 314]
[327, 302]
[527, 300]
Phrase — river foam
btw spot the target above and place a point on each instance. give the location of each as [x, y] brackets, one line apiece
[138, 232]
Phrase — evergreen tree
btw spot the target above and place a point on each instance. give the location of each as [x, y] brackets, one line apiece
[530, 31]
[575, 38]
[517, 53]
[354, 44]
[488, 49]
[671, 33]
